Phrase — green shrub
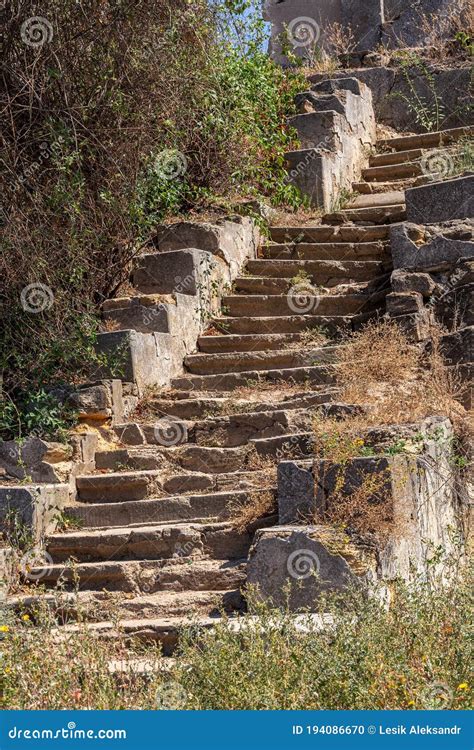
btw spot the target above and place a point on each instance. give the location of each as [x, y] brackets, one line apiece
[125, 114]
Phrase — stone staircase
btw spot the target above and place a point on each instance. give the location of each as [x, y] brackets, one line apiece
[155, 537]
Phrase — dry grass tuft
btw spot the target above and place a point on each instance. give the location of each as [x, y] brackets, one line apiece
[399, 382]
[260, 503]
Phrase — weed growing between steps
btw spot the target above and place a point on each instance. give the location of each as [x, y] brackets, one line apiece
[415, 656]
[117, 117]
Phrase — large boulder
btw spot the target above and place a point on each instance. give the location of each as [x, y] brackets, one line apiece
[293, 565]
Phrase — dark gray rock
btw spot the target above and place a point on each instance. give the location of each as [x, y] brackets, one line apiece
[293, 565]
[431, 248]
[441, 201]
[422, 283]
[296, 492]
[405, 303]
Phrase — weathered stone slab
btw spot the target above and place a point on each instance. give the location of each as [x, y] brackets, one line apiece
[101, 400]
[294, 564]
[234, 241]
[296, 492]
[172, 271]
[35, 506]
[431, 248]
[441, 201]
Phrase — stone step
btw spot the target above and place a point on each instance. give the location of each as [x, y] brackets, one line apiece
[225, 406]
[392, 172]
[327, 234]
[397, 157]
[426, 140]
[180, 508]
[112, 488]
[208, 364]
[378, 199]
[284, 447]
[193, 458]
[377, 215]
[165, 630]
[334, 324]
[263, 342]
[146, 576]
[230, 432]
[155, 542]
[228, 382]
[90, 605]
[393, 186]
[344, 251]
[260, 306]
[322, 272]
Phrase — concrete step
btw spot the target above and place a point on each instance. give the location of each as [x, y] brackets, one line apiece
[264, 342]
[377, 215]
[207, 364]
[195, 408]
[327, 273]
[260, 306]
[426, 140]
[192, 458]
[146, 576]
[392, 172]
[228, 382]
[328, 234]
[378, 199]
[180, 508]
[397, 157]
[343, 251]
[112, 488]
[155, 542]
[333, 324]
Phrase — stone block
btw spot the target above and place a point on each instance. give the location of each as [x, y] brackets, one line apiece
[172, 271]
[406, 303]
[37, 459]
[296, 492]
[233, 240]
[145, 314]
[318, 130]
[294, 565]
[97, 401]
[431, 248]
[441, 201]
[35, 506]
[130, 434]
[422, 283]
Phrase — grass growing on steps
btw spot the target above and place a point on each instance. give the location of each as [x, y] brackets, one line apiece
[417, 656]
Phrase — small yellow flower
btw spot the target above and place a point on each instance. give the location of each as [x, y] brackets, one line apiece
[4, 628]
[411, 703]
[463, 686]
[25, 618]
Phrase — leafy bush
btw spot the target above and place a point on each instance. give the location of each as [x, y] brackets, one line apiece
[118, 115]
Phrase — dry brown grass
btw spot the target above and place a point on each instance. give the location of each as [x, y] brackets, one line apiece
[367, 510]
[379, 367]
[246, 514]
